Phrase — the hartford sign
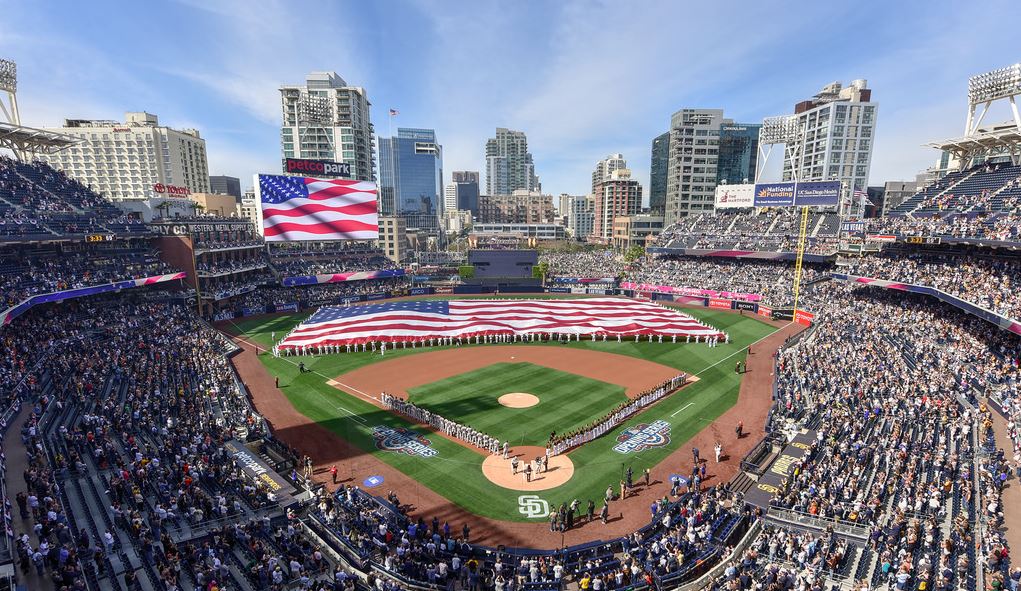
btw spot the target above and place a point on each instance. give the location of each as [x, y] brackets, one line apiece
[317, 167]
[171, 189]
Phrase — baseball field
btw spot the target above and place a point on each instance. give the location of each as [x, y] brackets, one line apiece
[572, 385]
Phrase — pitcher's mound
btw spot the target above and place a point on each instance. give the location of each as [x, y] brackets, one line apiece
[518, 400]
[499, 471]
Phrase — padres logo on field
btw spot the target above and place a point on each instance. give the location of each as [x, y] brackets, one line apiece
[532, 507]
[643, 436]
[402, 440]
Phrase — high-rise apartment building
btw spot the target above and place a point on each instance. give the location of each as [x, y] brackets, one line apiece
[520, 207]
[619, 195]
[325, 119]
[137, 159]
[581, 215]
[509, 165]
[837, 127]
[693, 166]
[605, 167]
[658, 170]
[411, 177]
[226, 185]
[449, 197]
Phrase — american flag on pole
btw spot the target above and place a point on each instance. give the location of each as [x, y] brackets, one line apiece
[420, 320]
[301, 208]
[394, 112]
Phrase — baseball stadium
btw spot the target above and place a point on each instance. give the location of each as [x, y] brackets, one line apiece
[337, 380]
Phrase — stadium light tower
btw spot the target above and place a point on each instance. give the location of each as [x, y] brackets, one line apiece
[9, 88]
[785, 130]
[984, 89]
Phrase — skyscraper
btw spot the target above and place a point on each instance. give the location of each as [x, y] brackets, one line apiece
[465, 176]
[466, 185]
[739, 151]
[328, 120]
[604, 168]
[619, 195]
[411, 177]
[693, 165]
[658, 178]
[226, 185]
[837, 127]
[509, 164]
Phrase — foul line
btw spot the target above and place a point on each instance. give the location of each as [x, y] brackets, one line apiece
[685, 406]
[353, 416]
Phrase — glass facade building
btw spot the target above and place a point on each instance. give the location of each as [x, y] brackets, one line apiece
[411, 177]
[660, 166]
[738, 154]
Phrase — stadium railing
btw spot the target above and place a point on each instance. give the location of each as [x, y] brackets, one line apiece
[788, 517]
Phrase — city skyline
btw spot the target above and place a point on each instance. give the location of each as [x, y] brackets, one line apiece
[224, 78]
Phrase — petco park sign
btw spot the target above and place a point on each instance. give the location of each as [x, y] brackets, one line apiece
[317, 167]
[171, 189]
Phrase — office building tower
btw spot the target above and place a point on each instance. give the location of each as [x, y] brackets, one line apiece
[226, 185]
[137, 159]
[658, 170]
[694, 159]
[465, 176]
[325, 119]
[738, 154]
[411, 177]
[466, 184]
[509, 165]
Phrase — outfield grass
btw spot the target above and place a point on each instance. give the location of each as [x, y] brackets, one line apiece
[455, 472]
[566, 401]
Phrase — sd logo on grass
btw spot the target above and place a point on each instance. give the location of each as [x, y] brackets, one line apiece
[532, 507]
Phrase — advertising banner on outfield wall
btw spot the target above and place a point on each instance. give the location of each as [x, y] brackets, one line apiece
[765, 311]
[747, 306]
[720, 304]
[803, 317]
[817, 193]
[774, 194]
[732, 196]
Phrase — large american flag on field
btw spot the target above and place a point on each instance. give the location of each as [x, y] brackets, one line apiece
[419, 320]
[301, 208]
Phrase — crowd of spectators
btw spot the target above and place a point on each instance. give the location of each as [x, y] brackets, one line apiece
[890, 383]
[992, 283]
[773, 280]
[302, 267]
[686, 535]
[37, 200]
[583, 265]
[28, 272]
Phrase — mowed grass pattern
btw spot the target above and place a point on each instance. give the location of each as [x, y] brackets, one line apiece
[456, 471]
[567, 401]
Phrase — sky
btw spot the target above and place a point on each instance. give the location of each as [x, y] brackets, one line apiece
[583, 79]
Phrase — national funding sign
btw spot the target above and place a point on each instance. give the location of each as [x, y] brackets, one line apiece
[802, 194]
[317, 168]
